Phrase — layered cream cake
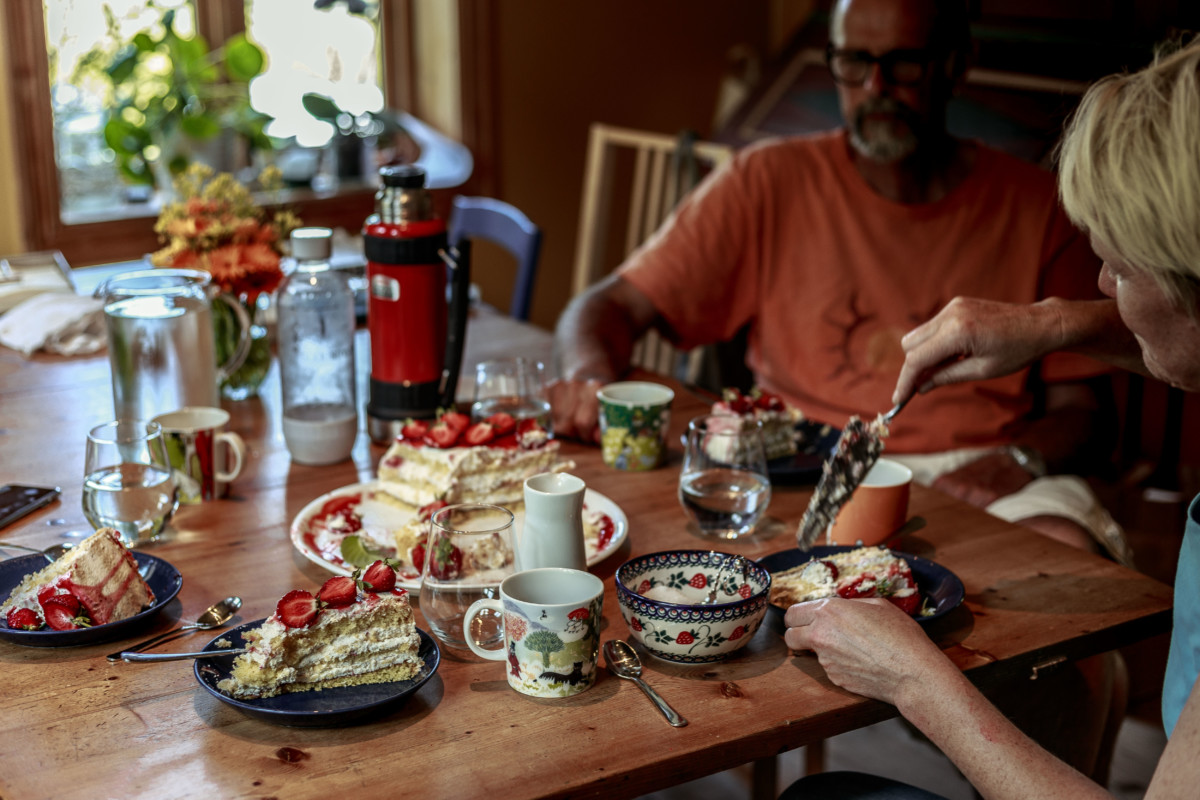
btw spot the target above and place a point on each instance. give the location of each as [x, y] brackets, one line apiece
[93, 583]
[452, 461]
[777, 417]
[863, 572]
[313, 643]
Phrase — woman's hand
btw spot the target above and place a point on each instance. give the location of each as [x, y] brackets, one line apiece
[867, 646]
[973, 339]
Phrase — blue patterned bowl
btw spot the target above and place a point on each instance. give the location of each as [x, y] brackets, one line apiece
[671, 623]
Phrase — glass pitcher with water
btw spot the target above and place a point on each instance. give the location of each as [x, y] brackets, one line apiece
[160, 341]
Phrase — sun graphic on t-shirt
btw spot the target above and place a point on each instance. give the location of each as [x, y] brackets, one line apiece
[867, 348]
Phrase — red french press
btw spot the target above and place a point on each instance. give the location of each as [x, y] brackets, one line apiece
[416, 335]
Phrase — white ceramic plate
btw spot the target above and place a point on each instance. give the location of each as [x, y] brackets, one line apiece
[379, 519]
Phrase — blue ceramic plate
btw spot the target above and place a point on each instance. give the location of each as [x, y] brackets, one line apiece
[817, 441]
[341, 705]
[165, 581]
[940, 588]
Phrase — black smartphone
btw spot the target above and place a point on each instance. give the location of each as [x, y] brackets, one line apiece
[17, 500]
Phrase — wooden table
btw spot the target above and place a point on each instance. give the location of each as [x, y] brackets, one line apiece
[74, 725]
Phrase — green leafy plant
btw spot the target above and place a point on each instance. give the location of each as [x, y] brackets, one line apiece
[171, 95]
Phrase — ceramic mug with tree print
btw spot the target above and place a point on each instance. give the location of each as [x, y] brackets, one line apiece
[551, 619]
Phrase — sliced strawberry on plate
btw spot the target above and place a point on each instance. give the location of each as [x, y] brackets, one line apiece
[441, 435]
[445, 560]
[503, 422]
[908, 603]
[833, 570]
[63, 613]
[862, 586]
[479, 433]
[24, 619]
[338, 591]
[416, 557]
[414, 429]
[381, 576]
[297, 609]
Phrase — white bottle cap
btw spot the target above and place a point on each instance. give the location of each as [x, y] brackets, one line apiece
[312, 244]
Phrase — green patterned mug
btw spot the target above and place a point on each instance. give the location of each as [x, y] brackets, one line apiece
[634, 417]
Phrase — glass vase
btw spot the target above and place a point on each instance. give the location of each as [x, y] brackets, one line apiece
[244, 382]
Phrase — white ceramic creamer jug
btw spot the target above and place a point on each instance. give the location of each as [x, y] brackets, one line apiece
[552, 532]
[160, 341]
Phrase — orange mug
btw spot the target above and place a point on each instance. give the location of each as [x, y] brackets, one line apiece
[877, 508]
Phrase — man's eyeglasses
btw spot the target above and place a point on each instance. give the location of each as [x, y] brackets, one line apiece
[899, 67]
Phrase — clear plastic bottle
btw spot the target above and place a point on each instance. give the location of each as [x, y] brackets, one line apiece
[315, 340]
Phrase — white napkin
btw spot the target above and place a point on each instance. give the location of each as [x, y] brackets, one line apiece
[67, 324]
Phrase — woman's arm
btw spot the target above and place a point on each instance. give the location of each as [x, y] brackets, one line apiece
[972, 339]
[872, 648]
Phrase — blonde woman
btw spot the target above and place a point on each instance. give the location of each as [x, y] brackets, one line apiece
[1130, 176]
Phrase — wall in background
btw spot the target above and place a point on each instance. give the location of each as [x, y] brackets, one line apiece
[11, 240]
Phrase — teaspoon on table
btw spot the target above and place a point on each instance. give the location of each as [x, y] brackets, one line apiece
[214, 616]
[52, 553]
[623, 661]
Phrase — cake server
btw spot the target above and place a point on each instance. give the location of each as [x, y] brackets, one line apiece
[857, 450]
[182, 656]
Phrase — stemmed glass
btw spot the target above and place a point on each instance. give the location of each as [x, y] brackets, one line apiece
[723, 485]
[516, 386]
[128, 483]
[468, 552]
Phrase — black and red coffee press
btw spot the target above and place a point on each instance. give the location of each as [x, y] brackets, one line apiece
[416, 335]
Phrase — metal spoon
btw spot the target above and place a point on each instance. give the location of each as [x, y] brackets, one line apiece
[52, 553]
[623, 661]
[717, 584]
[214, 616]
[182, 656]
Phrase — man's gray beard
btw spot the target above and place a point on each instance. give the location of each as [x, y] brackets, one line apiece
[883, 146]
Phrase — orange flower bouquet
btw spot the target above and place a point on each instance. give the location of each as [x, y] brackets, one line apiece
[216, 226]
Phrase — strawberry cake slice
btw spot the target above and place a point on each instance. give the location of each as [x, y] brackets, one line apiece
[356, 630]
[863, 572]
[93, 583]
[778, 419]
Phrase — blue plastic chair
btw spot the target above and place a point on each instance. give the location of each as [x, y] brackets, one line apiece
[496, 221]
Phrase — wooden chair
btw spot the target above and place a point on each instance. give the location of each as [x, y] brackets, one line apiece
[504, 224]
[664, 169]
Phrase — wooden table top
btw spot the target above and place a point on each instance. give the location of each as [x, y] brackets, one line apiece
[74, 725]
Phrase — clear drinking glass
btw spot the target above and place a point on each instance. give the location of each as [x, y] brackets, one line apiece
[128, 484]
[516, 386]
[468, 552]
[723, 485]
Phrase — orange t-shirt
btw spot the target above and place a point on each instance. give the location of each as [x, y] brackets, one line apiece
[789, 238]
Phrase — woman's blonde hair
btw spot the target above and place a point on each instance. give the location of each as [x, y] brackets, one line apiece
[1129, 169]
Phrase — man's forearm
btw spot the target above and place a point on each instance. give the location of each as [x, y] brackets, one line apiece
[595, 335]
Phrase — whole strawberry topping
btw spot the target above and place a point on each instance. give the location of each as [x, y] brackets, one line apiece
[441, 435]
[297, 609]
[457, 421]
[337, 592]
[24, 619]
[502, 422]
[414, 429]
[479, 433]
[417, 557]
[381, 576]
[769, 402]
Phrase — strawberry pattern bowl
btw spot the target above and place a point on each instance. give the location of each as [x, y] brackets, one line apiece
[661, 597]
